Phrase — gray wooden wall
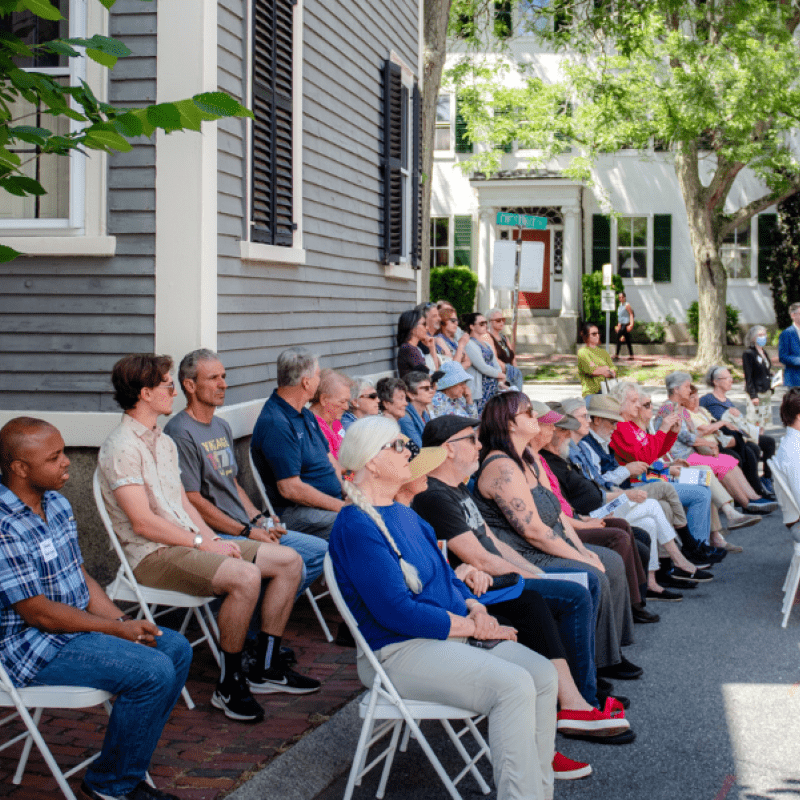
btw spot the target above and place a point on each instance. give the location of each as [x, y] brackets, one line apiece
[339, 304]
[65, 321]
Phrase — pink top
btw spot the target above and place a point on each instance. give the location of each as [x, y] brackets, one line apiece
[556, 489]
[333, 433]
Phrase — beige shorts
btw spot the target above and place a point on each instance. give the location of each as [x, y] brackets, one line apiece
[761, 414]
[184, 569]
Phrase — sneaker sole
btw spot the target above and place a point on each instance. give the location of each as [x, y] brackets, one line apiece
[587, 727]
[743, 523]
[574, 774]
[658, 599]
[218, 703]
[277, 688]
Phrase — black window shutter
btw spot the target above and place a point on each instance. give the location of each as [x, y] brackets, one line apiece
[272, 181]
[767, 241]
[601, 241]
[394, 142]
[662, 248]
[462, 144]
[416, 181]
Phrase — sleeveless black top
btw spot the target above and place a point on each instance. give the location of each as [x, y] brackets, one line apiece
[546, 504]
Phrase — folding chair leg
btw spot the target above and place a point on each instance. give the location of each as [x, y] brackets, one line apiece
[468, 760]
[315, 608]
[791, 589]
[435, 763]
[406, 737]
[207, 634]
[387, 764]
[360, 755]
[26, 748]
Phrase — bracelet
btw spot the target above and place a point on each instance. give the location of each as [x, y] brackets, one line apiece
[124, 618]
[246, 531]
[257, 517]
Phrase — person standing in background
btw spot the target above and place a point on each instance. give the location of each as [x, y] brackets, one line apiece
[789, 348]
[624, 326]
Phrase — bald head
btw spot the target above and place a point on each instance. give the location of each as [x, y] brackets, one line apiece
[18, 436]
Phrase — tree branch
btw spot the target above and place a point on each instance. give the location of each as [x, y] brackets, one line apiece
[756, 207]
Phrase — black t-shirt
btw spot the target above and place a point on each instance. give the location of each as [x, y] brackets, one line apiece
[451, 511]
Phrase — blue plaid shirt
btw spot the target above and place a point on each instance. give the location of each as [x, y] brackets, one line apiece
[36, 558]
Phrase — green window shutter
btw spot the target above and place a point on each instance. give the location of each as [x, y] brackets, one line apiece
[767, 241]
[662, 248]
[503, 19]
[462, 242]
[463, 144]
[601, 241]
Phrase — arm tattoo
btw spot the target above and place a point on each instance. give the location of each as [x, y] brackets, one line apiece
[517, 522]
[504, 477]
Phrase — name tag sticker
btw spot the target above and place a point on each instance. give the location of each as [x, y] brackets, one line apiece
[48, 550]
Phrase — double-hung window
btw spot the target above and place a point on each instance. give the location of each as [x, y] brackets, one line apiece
[639, 246]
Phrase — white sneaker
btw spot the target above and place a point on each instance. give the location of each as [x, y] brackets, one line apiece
[738, 520]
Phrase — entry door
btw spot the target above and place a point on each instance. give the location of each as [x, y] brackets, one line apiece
[538, 299]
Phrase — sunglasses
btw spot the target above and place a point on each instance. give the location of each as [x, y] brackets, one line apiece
[427, 388]
[473, 438]
[646, 405]
[398, 445]
[371, 396]
[529, 411]
[480, 324]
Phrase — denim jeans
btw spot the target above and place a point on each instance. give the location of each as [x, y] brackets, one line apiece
[147, 682]
[697, 502]
[575, 612]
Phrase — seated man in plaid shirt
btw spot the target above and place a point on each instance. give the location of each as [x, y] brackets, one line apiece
[58, 626]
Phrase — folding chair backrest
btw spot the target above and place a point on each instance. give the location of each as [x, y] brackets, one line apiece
[260, 484]
[125, 567]
[361, 642]
[790, 505]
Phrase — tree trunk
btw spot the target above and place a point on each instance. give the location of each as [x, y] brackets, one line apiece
[712, 281]
[436, 17]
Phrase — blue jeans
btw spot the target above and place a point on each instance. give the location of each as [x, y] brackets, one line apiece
[575, 612]
[697, 502]
[147, 682]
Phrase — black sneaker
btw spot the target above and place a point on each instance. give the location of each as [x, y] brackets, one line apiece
[142, 791]
[281, 679]
[236, 701]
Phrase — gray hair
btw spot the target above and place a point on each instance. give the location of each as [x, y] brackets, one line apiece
[675, 380]
[491, 311]
[414, 379]
[750, 339]
[364, 440]
[622, 389]
[329, 379]
[188, 367]
[295, 364]
[386, 388]
[357, 386]
[711, 375]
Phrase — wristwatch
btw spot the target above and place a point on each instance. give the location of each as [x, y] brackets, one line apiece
[197, 541]
[246, 531]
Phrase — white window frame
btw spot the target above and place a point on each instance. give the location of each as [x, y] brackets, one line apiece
[450, 239]
[648, 280]
[84, 233]
[257, 251]
[450, 149]
[753, 279]
[519, 17]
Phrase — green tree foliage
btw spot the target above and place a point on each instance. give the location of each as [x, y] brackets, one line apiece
[731, 322]
[592, 289]
[715, 87]
[100, 126]
[784, 271]
[457, 285]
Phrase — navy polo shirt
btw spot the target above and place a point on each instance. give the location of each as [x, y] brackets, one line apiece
[287, 443]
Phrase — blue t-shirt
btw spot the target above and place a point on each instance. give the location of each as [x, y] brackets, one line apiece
[714, 406]
[372, 584]
[36, 558]
[288, 443]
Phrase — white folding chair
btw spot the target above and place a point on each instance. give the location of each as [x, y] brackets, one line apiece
[312, 598]
[127, 589]
[790, 507]
[382, 702]
[36, 699]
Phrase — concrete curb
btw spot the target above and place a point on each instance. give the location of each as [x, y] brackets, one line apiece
[309, 766]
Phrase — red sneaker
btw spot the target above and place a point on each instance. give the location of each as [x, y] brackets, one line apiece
[565, 769]
[592, 723]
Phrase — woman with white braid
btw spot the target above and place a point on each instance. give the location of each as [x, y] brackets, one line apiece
[418, 617]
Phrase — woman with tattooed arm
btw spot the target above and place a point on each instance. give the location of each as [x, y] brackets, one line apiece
[527, 516]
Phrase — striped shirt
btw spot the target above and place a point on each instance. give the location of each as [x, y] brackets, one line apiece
[36, 558]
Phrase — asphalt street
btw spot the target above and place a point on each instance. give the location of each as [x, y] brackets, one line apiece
[717, 711]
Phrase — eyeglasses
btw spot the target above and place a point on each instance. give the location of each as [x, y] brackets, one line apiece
[370, 396]
[473, 438]
[480, 324]
[529, 411]
[170, 387]
[398, 445]
[427, 388]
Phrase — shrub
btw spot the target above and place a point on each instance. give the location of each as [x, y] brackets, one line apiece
[651, 332]
[592, 288]
[731, 322]
[457, 285]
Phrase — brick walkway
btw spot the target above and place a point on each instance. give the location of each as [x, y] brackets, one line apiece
[202, 755]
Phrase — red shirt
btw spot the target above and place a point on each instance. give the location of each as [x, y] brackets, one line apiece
[630, 443]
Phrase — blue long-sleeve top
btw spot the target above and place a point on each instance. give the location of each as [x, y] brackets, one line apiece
[789, 355]
[371, 581]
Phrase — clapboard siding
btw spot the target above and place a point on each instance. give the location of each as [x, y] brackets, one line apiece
[64, 322]
[340, 303]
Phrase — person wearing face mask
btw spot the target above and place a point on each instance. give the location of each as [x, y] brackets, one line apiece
[758, 377]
